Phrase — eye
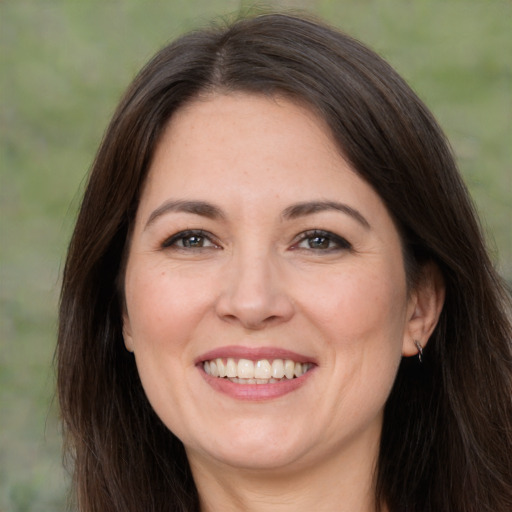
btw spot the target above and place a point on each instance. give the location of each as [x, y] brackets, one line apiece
[190, 239]
[319, 240]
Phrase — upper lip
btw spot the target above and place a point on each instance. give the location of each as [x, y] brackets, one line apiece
[254, 354]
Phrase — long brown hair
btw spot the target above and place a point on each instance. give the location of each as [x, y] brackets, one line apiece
[447, 435]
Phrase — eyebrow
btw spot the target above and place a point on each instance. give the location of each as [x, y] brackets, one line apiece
[310, 207]
[201, 208]
[294, 211]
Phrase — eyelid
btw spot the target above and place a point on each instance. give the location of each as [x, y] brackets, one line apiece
[170, 241]
[340, 242]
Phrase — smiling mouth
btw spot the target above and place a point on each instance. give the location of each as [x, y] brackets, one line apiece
[262, 371]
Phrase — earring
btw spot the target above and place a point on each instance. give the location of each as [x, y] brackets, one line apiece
[420, 350]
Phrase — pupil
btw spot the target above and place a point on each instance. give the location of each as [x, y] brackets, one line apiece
[319, 242]
[193, 241]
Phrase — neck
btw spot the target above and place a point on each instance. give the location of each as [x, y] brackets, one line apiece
[345, 485]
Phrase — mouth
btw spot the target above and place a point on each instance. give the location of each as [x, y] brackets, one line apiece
[260, 371]
[255, 373]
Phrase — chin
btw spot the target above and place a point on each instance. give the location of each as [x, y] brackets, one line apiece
[257, 447]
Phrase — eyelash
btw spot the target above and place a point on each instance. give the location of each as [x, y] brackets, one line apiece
[338, 242]
[172, 242]
[334, 242]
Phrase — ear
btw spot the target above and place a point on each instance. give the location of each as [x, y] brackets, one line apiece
[425, 305]
[127, 332]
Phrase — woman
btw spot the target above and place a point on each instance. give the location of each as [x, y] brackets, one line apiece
[277, 295]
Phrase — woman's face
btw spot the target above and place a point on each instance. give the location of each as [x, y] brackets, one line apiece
[266, 300]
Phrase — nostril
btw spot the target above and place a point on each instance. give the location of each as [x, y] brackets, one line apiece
[251, 322]
[253, 297]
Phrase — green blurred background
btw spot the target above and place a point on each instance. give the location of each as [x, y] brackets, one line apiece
[63, 67]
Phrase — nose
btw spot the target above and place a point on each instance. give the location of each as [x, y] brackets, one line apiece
[253, 293]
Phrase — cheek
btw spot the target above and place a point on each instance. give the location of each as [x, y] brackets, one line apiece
[359, 303]
[164, 316]
[164, 308]
[364, 317]
[366, 329]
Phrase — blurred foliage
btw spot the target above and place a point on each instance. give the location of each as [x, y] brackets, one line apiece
[63, 66]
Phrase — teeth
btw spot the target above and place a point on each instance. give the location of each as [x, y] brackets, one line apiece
[262, 370]
[221, 367]
[277, 369]
[236, 380]
[289, 368]
[231, 368]
[246, 371]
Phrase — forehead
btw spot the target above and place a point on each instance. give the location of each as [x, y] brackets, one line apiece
[242, 138]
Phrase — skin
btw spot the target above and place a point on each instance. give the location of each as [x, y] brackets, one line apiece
[258, 278]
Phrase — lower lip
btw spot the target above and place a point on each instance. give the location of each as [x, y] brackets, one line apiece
[256, 392]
